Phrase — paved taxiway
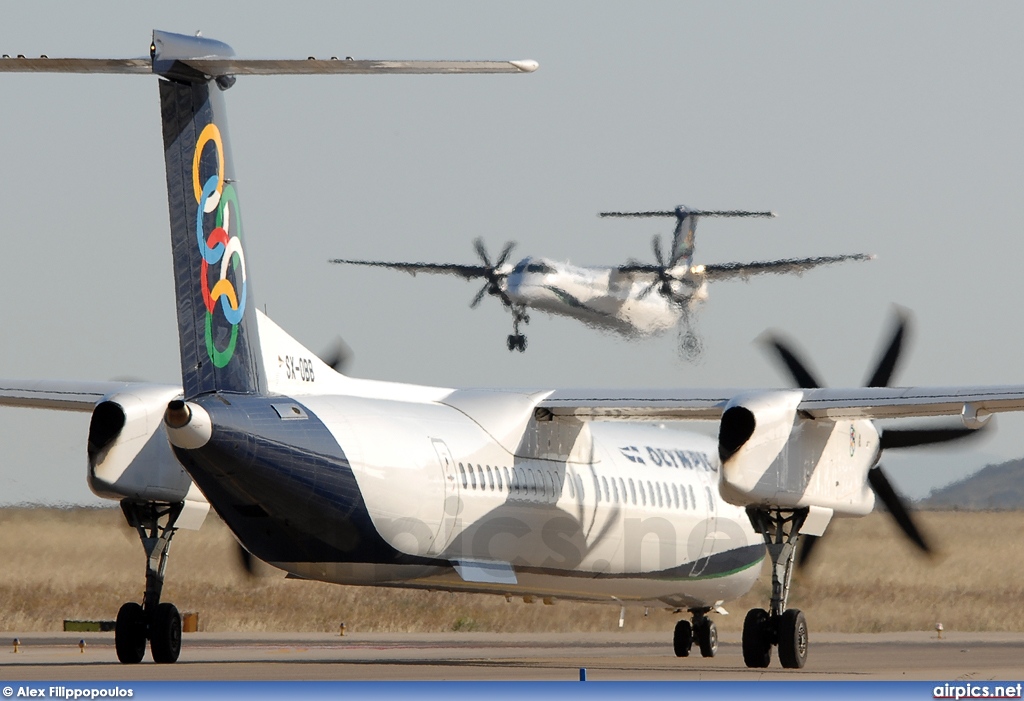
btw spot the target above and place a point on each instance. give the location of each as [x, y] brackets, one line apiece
[547, 657]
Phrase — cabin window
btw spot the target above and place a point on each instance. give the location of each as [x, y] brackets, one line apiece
[693, 497]
[480, 477]
[607, 492]
[675, 495]
[643, 493]
[579, 488]
[615, 491]
[472, 476]
[650, 492]
[490, 478]
[497, 479]
[465, 480]
[507, 480]
[632, 491]
[622, 490]
[572, 486]
[531, 483]
[657, 489]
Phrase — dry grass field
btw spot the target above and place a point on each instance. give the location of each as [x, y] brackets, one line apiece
[83, 563]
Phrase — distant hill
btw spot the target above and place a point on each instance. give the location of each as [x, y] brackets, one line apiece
[994, 487]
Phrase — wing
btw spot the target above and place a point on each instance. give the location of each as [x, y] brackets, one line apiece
[63, 395]
[828, 404]
[788, 266]
[468, 272]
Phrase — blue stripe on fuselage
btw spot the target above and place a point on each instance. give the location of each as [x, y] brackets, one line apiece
[284, 487]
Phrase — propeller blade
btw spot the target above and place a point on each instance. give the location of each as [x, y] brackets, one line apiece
[505, 253]
[804, 553]
[479, 295]
[339, 356]
[802, 376]
[897, 506]
[647, 290]
[890, 359]
[912, 437]
[478, 246]
[246, 560]
[656, 241]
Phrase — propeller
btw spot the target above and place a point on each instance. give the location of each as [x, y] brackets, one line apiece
[893, 438]
[493, 274]
[339, 355]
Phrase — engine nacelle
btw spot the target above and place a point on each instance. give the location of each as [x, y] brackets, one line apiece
[773, 458]
[131, 458]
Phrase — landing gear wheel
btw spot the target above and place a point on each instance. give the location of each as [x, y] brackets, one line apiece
[130, 634]
[793, 639]
[516, 341]
[682, 639]
[757, 641]
[707, 637]
[165, 641]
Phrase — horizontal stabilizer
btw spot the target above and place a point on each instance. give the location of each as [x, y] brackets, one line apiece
[218, 67]
[682, 212]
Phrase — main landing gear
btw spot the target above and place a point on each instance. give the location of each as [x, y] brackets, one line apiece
[701, 630]
[517, 341]
[786, 628]
[159, 623]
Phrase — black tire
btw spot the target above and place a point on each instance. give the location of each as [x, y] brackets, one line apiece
[682, 639]
[793, 639]
[757, 641]
[130, 634]
[707, 637]
[511, 343]
[165, 636]
[522, 344]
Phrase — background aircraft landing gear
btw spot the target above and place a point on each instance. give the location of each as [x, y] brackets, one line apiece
[517, 341]
[159, 623]
[778, 626]
[701, 631]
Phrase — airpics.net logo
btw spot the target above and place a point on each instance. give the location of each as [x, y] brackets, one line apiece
[978, 691]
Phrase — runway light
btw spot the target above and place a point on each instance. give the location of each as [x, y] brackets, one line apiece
[583, 674]
[81, 646]
[938, 629]
[17, 644]
[341, 630]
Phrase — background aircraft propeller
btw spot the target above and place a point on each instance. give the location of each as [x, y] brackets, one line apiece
[893, 438]
[493, 274]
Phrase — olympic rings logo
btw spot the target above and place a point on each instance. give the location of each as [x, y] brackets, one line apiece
[223, 246]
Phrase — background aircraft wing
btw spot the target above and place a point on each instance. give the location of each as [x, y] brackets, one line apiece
[63, 395]
[973, 403]
[466, 271]
[788, 266]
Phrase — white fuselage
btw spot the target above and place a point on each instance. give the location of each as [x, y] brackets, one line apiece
[600, 511]
[600, 297]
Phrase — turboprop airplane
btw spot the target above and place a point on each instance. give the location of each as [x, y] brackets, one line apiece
[585, 494]
[633, 299]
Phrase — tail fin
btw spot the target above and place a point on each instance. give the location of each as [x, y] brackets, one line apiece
[683, 237]
[216, 315]
[686, 227]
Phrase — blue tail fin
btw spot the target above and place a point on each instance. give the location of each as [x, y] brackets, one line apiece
[216, 316]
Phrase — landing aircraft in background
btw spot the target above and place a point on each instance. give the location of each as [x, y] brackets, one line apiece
[633, 299]
[582, 494]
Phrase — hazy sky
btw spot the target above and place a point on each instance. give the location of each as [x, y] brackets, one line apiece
[886, 128]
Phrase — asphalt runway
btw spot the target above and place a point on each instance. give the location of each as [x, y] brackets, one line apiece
[543, 657]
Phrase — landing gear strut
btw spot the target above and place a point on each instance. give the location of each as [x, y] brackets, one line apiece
[778, 626]
[701, 631]
[159, 623]
[517, 341]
